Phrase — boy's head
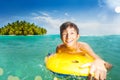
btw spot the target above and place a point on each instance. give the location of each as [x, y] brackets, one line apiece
[69, 33]
[65, 25]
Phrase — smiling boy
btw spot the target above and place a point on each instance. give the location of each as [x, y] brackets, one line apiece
[69, 33]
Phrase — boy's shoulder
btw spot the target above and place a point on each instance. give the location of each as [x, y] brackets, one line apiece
[83, 45]
[60, 45]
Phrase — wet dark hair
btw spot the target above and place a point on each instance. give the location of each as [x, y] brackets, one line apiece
[66, 25]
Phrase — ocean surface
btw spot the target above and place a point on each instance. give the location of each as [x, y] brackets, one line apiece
[22, 57]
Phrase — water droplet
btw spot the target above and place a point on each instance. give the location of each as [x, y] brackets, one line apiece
[1, 71]
[38, 78]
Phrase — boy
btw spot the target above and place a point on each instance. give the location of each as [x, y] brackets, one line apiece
[69, 33]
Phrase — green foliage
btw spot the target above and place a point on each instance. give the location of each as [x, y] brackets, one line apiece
[22, 28]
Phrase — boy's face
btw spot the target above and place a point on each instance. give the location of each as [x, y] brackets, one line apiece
[70, 37]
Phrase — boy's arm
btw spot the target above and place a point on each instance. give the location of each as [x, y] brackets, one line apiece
[86, 48]
[90, 52]
[99, 66]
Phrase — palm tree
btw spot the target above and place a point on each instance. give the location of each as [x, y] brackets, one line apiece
[22, 28]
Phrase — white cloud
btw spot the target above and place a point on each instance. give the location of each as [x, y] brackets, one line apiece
[109, 3]
[115, 25]
[50, 21]
[109, 21]
[44, 14]
[113, 3]
[52, 24]
[89, 27]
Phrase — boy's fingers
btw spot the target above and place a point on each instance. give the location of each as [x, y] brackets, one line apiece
[103, 76]
[85, 65]
[97, 75]
[92, 69]
[90, 77]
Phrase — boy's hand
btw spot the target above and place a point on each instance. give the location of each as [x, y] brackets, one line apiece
[99, 69]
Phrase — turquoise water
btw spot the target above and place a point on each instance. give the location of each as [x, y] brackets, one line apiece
[22, 57]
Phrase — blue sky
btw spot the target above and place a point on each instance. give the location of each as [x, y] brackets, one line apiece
[93, 17]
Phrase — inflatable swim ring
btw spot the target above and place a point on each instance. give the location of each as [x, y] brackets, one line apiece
[69, 64]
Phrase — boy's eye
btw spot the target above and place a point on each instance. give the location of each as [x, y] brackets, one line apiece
[72, 33]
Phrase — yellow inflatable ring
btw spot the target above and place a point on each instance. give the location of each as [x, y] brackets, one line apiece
[69, 64]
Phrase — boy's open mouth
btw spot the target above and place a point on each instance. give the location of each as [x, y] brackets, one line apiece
[69, 41]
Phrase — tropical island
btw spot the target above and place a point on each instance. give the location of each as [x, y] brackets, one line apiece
[22, 28]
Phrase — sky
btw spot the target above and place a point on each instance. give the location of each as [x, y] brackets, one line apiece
[93, 17]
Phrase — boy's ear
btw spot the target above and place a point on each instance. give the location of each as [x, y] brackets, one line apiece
[78, 36]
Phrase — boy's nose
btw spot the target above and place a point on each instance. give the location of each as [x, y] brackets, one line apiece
[68, 36]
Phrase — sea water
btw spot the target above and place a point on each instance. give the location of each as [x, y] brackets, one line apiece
[22, 57]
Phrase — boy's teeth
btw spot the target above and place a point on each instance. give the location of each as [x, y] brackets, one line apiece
[68, 41]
